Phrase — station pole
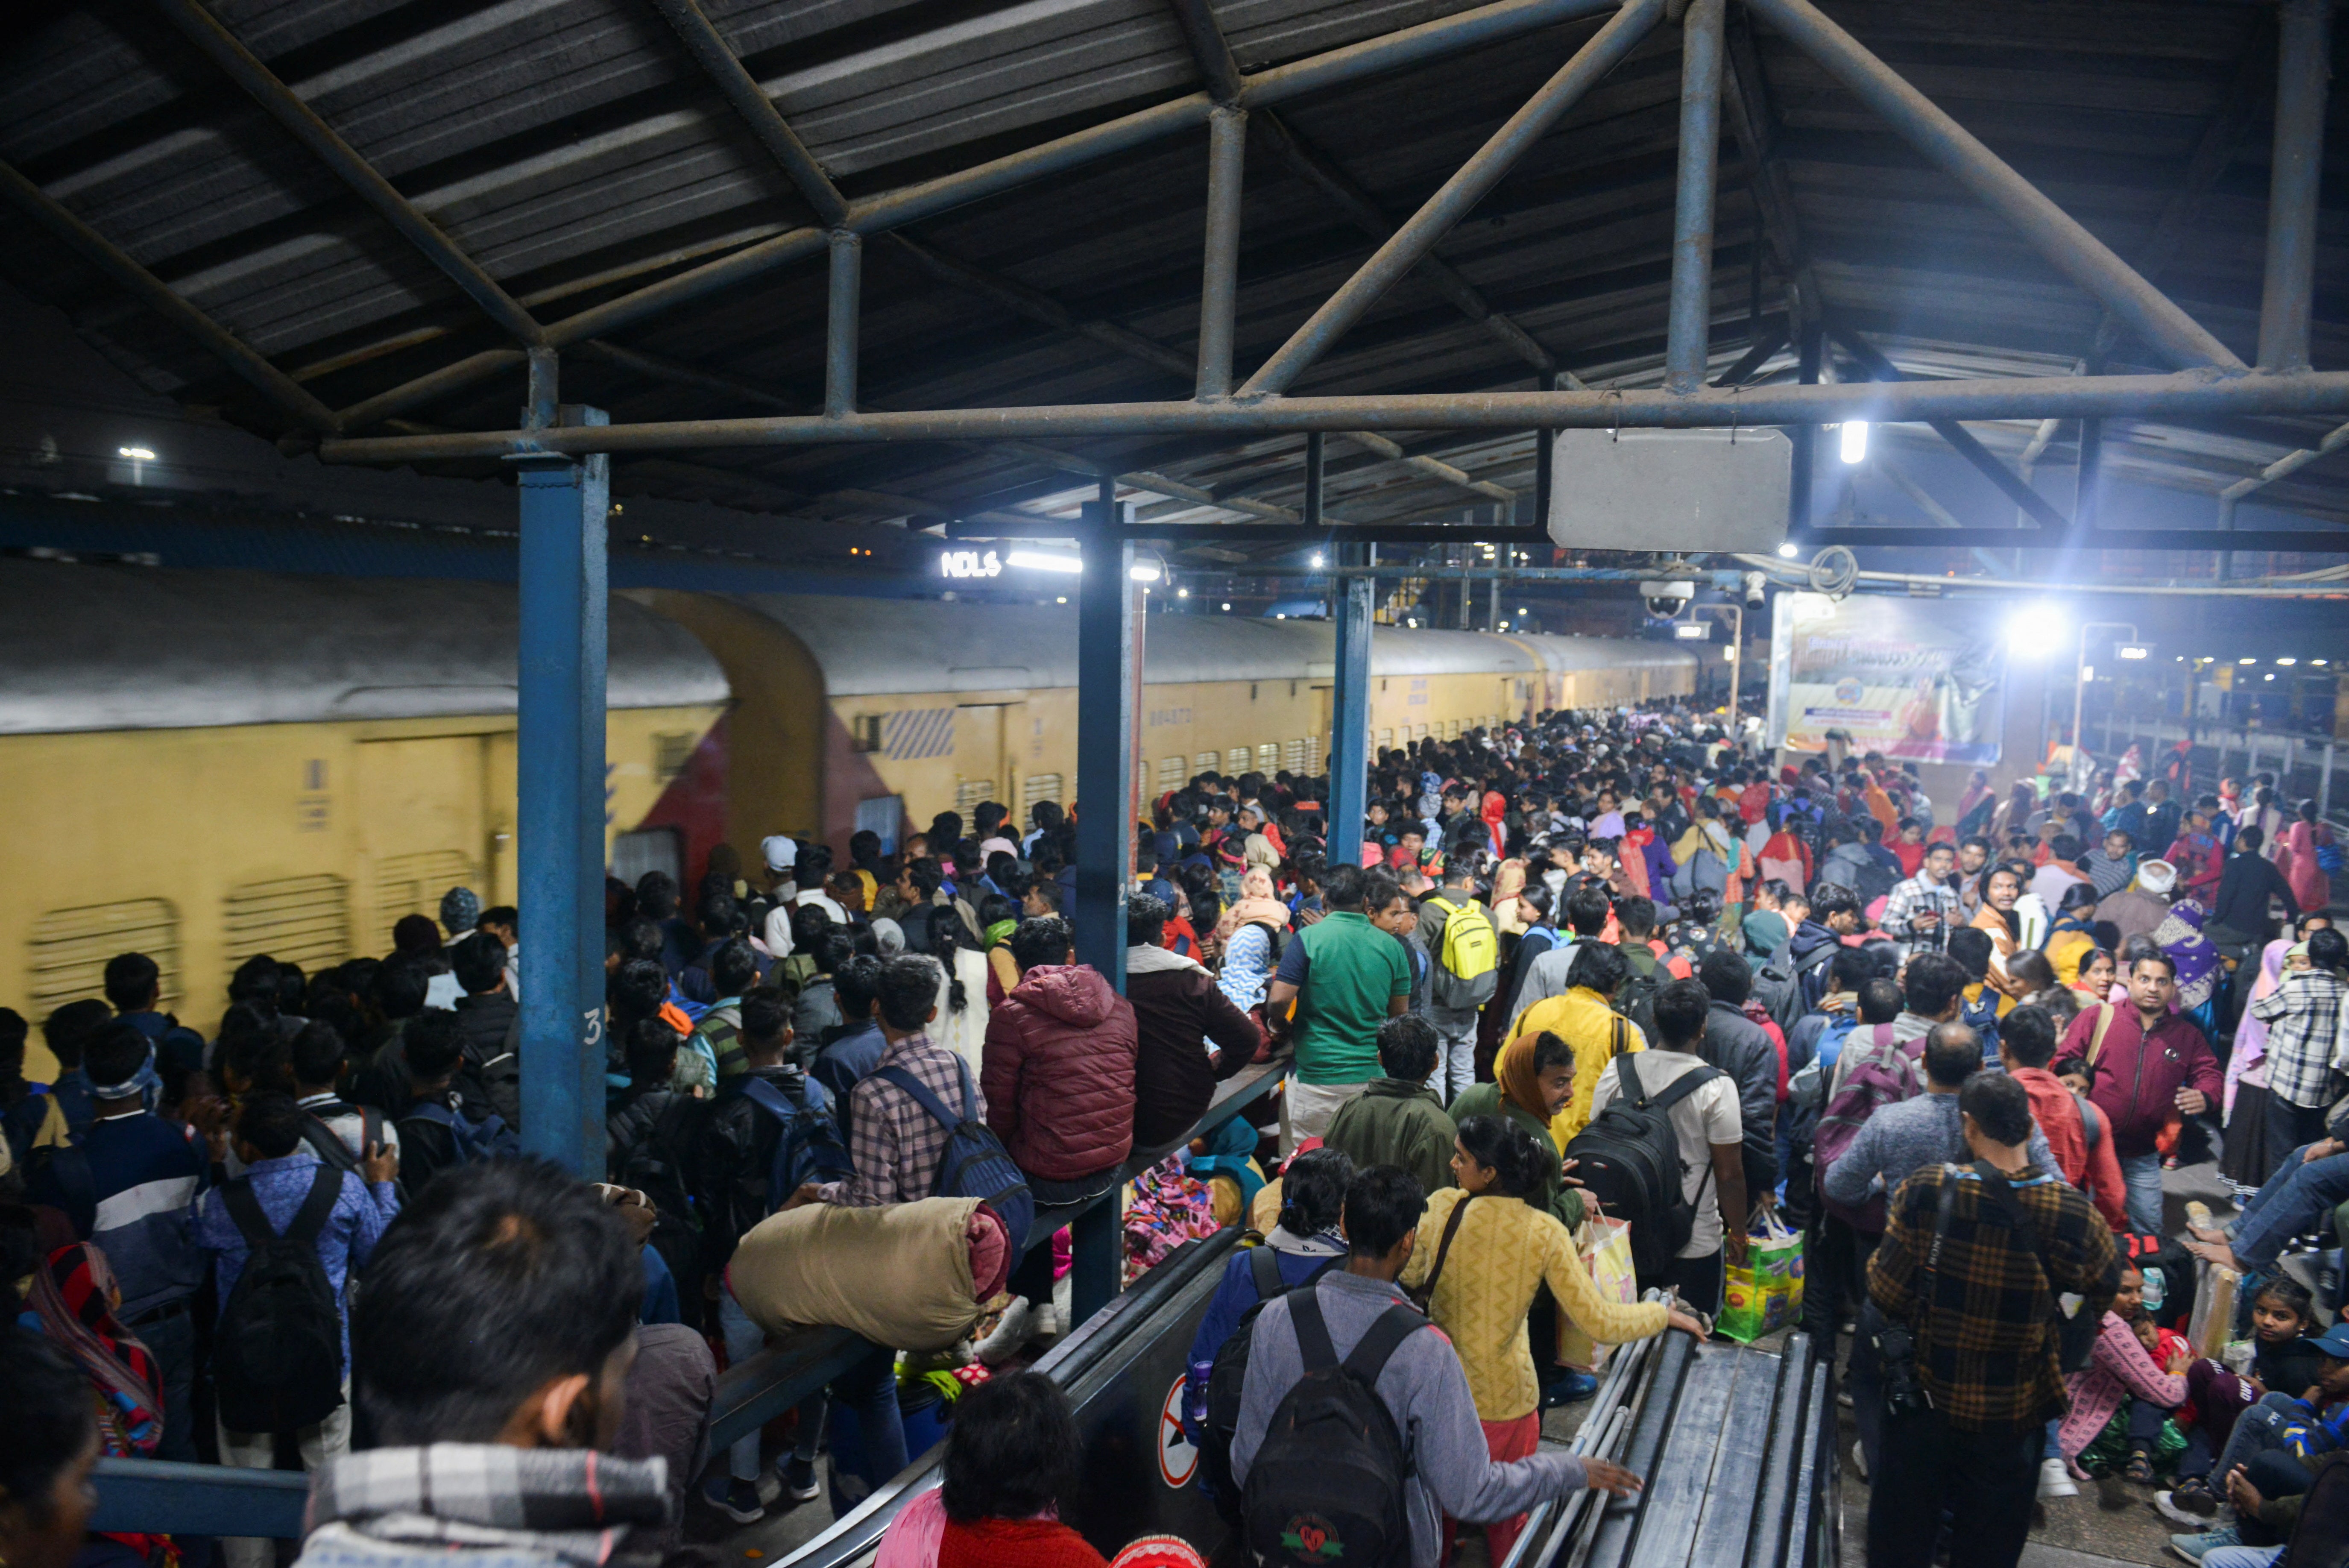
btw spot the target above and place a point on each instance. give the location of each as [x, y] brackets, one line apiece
[560, 764]
[1105, 685]
[1350, 714]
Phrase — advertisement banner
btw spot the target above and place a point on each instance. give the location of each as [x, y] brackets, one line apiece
[1918, 679]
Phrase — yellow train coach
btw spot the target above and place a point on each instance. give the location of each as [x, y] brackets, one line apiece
[206, 765]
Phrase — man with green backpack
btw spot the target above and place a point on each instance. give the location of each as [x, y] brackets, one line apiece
[1459, 935]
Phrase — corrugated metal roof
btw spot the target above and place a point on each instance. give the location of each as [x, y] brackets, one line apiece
[576, 151]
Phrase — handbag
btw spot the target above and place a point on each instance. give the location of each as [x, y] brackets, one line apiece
[1425, 1290]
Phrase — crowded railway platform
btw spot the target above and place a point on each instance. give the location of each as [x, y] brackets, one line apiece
[1128, 784]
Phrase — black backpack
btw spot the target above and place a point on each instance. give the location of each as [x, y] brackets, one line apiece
[1229, 1374]
[1630, 1160]
[974, 1163]
[277, 1353]
[809, 1147]
[1327, 1486]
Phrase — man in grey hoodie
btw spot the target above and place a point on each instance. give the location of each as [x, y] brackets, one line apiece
[1422, 1384]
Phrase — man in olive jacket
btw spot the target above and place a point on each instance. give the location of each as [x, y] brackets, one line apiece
[1397, 1119]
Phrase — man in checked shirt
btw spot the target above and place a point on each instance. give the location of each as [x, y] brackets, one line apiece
[1984, 1314]
[894, 1144]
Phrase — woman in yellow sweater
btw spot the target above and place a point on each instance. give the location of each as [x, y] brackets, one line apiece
[1487, 1259]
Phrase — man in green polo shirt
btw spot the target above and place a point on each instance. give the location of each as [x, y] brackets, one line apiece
[1347, 977]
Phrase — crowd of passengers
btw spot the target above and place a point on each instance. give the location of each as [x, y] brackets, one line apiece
[1953, 1046]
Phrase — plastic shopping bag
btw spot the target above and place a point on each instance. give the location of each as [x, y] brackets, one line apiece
[1606, 1253]
[1765, 1293]
[2212, 1324]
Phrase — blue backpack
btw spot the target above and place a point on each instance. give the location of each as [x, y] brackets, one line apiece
[1981, 1017]
[810, 1148]
[488, 1138]
[974, 1163]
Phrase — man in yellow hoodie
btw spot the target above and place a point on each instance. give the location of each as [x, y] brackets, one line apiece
[1586, 1019]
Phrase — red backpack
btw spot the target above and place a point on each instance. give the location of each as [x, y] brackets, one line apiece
[1878, 1071]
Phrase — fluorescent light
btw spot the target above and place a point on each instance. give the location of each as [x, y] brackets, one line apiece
[2320, 663]
[2247, 661]
[135, 453]
[1044, 561]
[1854, 441]
[2287, 662]
[1787, 550]
[1143, 574]
[1061, 600]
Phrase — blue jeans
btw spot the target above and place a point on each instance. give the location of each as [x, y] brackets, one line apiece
[2141, 1173]
[2242, 1557]
[869, 1390]
[2295, 1200]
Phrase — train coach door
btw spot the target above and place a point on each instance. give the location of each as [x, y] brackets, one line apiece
[423, 828]
[982, 759]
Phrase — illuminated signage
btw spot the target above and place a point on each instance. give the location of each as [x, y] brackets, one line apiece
[970, 564]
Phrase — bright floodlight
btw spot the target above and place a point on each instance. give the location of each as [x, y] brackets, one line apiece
[1854, 441]
[1144, 573]
[1317, 558]
[1044, 561]
[135, 453]
[1789, 550]
[1181, 593]
[2036, 632]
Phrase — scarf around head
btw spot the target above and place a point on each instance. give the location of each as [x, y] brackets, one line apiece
[1513, 1070]
[69, 1302]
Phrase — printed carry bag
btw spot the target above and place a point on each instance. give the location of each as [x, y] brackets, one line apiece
[1765, 1293]
[1606, 1253]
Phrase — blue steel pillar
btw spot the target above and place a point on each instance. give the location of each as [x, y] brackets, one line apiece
[559, 830]
[1105, 686]
[1350, 712]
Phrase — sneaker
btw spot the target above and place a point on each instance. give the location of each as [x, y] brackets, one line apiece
[1012, 1332]
[2191, 1503]
[737, 1500]
[1858, 1461]
[1569, 1388]
[799, 1479]
[2194, 1548]
[2055, 1480]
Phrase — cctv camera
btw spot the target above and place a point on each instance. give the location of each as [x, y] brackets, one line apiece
[1666, 600]
[1754, 587]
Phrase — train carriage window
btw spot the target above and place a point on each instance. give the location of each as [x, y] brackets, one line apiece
[1292, 755]
[658, 849]
[968, 793]
[1386, 740]
[1207, 763]
[1235, 760]
[297, 920]
[1314, 760]
[881, 814]
[1267, 757]
[672, 754]
[1036, 787]
[864, 732]
[412, 884]
[1170, 773]
[70, 950]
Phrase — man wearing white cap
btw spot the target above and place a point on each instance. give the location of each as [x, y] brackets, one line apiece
[783, 853]
[2145, 903]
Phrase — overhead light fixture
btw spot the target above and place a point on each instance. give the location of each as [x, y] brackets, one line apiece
[2269, 676]
[1181, 593]
[136, 453]
[1144, 572]
[2320, 663]
[1788, 550]
[1854, 441]
[2247, 661]
[1044, 561]
[1227, 604]
[2135, 650]
[2287, 662]
[2036, 632]
[1317, 558]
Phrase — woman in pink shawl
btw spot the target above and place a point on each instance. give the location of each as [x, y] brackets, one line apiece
[2245, 1160]
[2307, 837]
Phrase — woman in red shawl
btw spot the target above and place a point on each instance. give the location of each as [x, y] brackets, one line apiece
[1495, 807]
[71, 1302]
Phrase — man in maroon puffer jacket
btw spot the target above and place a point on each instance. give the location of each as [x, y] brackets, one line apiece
[1057, 1071]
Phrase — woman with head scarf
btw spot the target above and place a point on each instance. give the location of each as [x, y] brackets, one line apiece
[2197, 957]
[2245, 1160]
[1254, 929]
[1533, 1076]
[1495, 807]
[71, 1301]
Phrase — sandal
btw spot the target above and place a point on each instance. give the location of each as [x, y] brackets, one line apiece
[2139, 1470]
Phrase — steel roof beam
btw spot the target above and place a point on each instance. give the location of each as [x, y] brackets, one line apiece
[1319, 170]
[1745, 95]
[1458, 195]
[751, 103]
[238, 355]
[1687, 341]
[2180, 396]
[1957, 152]
[2291, 463]
[1445, 36]
[243, 67]
[1209, 48]
[2311, 542]
[1961, 439]
[2304, 72]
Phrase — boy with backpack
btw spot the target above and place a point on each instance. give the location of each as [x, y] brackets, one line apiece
[649, 1147]
[770, 1133]
[1458, 934]
[284, 1237]
[1836, 1243]
[1669, 1098]
[1339, 1375]
[440, 1128]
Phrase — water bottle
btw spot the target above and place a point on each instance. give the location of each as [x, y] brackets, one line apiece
[2157, 1288]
